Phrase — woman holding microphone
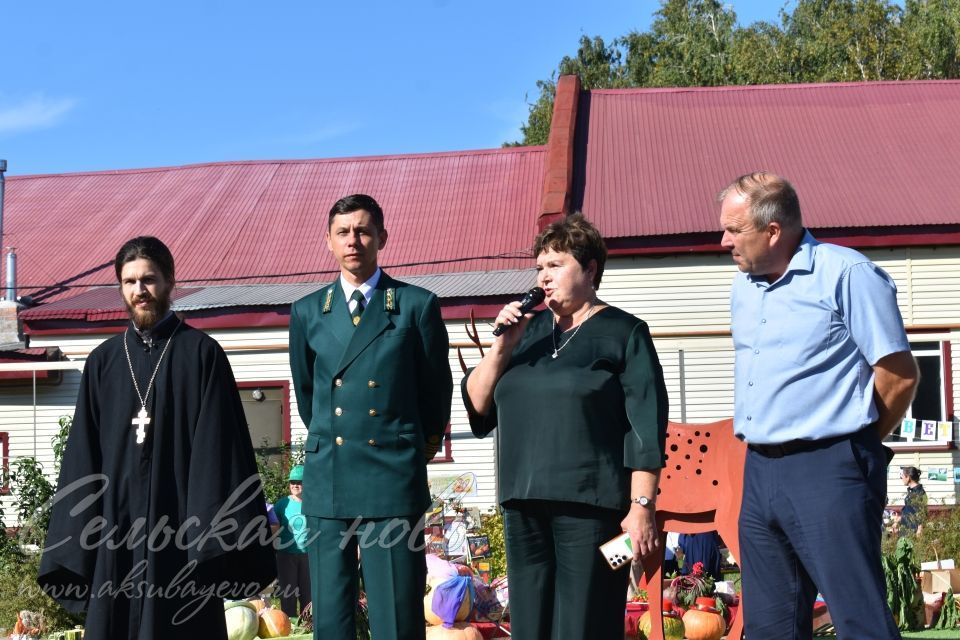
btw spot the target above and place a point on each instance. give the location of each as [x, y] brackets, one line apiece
[578, 395]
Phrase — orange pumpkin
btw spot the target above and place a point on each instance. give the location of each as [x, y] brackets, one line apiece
[258, 603]
[274, 623]
[460, 631]
[703, 623]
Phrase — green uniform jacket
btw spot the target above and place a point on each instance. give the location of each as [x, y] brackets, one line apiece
[371, 396]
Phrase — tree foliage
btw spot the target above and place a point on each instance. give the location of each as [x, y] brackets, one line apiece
[700, 43]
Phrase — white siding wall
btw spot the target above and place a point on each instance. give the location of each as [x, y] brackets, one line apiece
[684, 299]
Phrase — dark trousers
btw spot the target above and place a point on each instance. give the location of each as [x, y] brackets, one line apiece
[561, 588]
[812, 519]
[293, 578]
[394, 576]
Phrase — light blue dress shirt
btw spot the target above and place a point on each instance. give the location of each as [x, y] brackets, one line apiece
[806, 345]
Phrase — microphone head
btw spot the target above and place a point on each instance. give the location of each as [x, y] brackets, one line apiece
[534, 297]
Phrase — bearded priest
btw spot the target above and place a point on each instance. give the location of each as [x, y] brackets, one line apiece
[159, 511]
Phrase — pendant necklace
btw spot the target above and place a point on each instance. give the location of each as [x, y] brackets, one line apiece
[553, 334]
[143, 419]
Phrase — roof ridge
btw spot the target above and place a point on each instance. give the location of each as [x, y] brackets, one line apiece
[229, 163]
[773, 87]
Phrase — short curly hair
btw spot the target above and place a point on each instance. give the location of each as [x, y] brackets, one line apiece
[577, 236]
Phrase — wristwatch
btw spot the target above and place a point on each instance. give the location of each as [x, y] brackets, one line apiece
[643, 501]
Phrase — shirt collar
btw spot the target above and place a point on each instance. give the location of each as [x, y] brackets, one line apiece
[366, 288]
[158, 331]
[802, 259]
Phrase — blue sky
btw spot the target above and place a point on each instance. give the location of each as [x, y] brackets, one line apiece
[112, 84]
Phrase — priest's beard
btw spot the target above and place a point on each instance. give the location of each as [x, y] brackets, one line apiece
[145, 318]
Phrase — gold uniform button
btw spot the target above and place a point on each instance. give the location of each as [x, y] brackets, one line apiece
[371, 383]
[338, 382]
[338, 411]
[372, 412]
[339, 440]
[372, 442]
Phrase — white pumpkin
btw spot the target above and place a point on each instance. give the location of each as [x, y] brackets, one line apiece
[242, 620]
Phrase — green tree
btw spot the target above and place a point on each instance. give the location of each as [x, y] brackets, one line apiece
[698, 43]
[843, 40]
[692, 44]
[599, 67]
[760, 55]
[932, 36]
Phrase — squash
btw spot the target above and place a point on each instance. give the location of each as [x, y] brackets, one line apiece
[703, 623]
[460, 631]
[241, 620]
[274, 623]
[672, 626]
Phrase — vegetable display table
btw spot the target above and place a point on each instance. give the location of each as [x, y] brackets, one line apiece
[636, 609]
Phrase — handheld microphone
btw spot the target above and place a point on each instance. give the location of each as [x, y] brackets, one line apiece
[530, 300]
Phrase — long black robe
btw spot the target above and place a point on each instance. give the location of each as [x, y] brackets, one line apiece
[137, 515]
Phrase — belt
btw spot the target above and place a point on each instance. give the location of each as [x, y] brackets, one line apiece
[797, 446]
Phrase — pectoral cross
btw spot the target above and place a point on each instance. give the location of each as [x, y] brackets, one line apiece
[142, 420]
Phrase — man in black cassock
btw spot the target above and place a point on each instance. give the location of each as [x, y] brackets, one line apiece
[159, 512]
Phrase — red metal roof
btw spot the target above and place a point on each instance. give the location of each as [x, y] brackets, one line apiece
[445, 212]
[649, 162]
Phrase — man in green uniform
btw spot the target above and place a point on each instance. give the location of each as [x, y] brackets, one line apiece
[373, 384]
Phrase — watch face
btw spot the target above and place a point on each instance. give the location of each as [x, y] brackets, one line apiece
[643, 501]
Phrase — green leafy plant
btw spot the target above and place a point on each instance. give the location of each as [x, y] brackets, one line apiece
[60, 441]
[19, 591]
[903, 593]
[491, 525]
[949, 613]
[940, 537]
[32, 492]
[274, 464]
[694, 585]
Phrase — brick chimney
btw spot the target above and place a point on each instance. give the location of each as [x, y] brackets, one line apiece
[10, 336]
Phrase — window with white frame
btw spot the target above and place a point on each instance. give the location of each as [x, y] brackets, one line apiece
[932, 403]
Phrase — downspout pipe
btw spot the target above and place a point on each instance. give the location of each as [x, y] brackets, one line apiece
[3, 168]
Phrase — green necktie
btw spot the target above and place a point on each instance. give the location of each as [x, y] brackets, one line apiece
[357, 310]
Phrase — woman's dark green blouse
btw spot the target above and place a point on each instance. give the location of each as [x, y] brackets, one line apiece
[572, 428]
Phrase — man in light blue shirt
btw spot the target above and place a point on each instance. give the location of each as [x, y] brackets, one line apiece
[823, 373]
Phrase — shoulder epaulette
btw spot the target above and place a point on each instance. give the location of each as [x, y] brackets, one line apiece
[328, 299]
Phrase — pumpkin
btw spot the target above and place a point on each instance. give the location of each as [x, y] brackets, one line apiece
[460, 631]
[672, 626]
[703, 623]
[274, 623]
[432, 618]
[241, 620]
[258, 603]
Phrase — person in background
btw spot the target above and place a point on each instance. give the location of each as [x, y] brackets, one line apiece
[670, 560]
[914, 512]
[578, 396]
[703, 548]
[293, 568]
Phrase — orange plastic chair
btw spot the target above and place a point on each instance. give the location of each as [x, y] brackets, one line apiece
[701, 490]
